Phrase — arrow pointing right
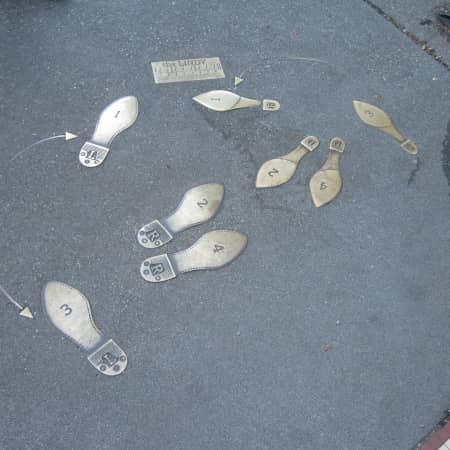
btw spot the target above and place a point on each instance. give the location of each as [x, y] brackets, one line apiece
[25, 311]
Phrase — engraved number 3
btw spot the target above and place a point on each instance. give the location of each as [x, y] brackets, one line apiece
[67, 309]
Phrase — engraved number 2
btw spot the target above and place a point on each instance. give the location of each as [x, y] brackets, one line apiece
[67, 309]
[273, 172]
[203, 203]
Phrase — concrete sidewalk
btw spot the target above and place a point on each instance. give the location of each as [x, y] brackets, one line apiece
[329, 332]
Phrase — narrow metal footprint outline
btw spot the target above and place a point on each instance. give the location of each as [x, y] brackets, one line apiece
[213, 250]
[221, 101]
[115, 118]
[377, 118]
[278, 171]
[198, 205]
[70, 312]
[326, 184]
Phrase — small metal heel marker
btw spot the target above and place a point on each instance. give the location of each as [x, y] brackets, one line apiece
[226, 101]
[69, 310]
[212, 251]
[326, 183]
[197, 206]
[280, 170]
[114, 119]
[376, 117]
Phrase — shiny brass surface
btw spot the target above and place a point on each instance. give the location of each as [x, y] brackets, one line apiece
[109, 359]
[192, 69]
[224, 101]
[270, 105]
[212, 251]
[115, 118]
[197, 206]
[69, 310]
[376, 117]
[280, 170]
[326, 183]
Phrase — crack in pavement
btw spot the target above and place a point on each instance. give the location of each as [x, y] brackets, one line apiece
[418, 163]
[422, 44]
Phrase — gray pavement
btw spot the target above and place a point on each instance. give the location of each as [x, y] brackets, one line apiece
[330, 331]
[420, 20]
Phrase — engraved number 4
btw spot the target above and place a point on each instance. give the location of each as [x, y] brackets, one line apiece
[218, 248]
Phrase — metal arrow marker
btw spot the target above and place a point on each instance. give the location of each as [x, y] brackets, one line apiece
[25, 311]
[212, 251]
[115, 118]
[226, 101]
[69, 310]
[326, 183]
[67, 137]
[280, 170]
[197, 206]
[376, 117]
[238, 81]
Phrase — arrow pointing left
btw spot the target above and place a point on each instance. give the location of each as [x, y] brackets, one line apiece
[25, 311]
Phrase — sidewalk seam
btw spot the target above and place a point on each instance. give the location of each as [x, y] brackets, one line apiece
[422, 44]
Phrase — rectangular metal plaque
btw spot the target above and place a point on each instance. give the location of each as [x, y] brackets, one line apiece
[187, 70]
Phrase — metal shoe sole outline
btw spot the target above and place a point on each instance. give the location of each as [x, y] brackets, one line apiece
[70, 312]
[115, 118]
[221, 101]
[377, 118]
[198, 205]
[213, 250]
[278, 171]
[326, 184]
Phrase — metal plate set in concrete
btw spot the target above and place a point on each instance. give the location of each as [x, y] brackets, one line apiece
[212, 251]
[69, 310]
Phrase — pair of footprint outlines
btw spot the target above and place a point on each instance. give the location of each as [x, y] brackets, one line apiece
[324, 185]
[213, 250]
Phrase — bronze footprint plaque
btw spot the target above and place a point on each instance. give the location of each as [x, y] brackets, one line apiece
[326, 184]
[69, 310]
[226, 101]
[114, 119]
[212, 251]
[280, 170]
[376, 117]
[198, 205]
